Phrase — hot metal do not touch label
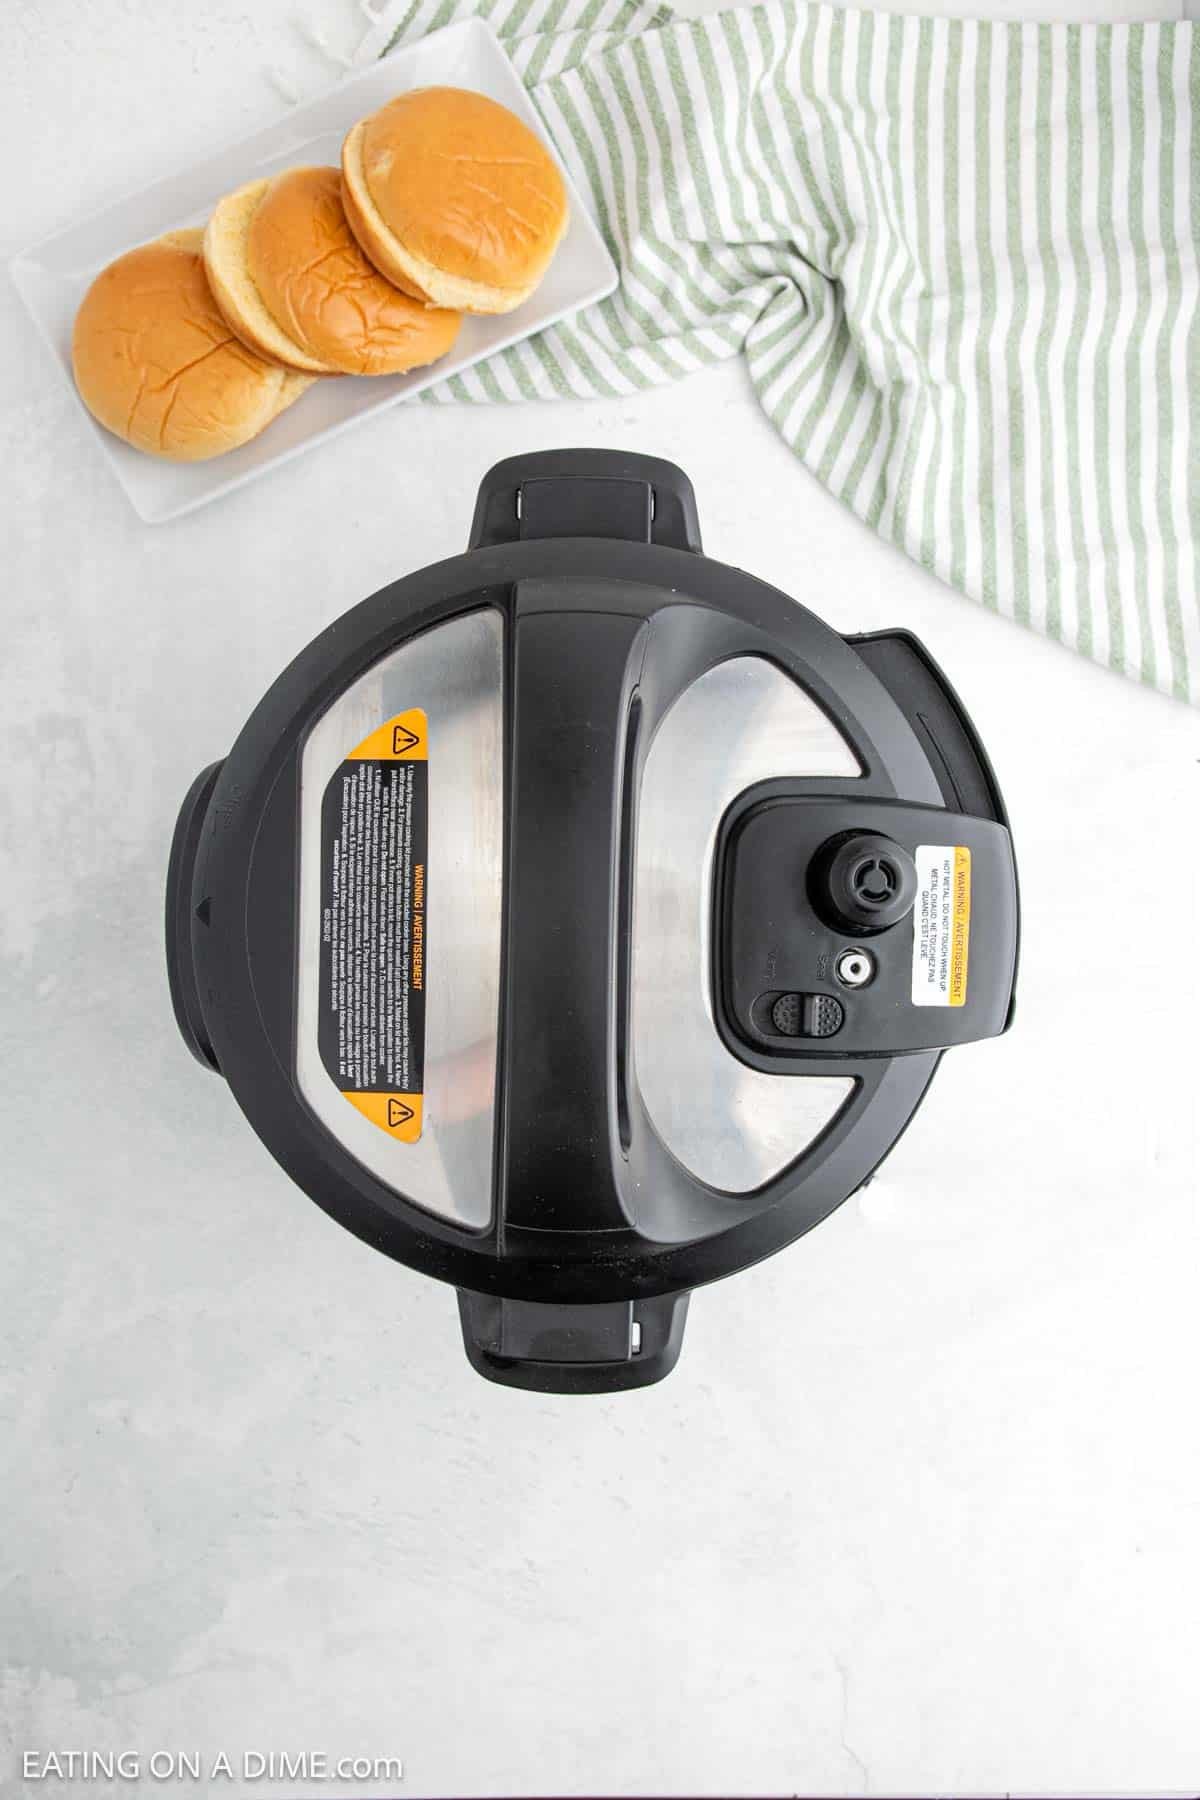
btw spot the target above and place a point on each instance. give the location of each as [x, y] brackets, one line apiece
[374, 840]
[941, 925]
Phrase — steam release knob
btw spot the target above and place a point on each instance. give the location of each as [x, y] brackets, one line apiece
[863, 882]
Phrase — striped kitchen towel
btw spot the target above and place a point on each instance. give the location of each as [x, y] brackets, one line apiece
[960, 257]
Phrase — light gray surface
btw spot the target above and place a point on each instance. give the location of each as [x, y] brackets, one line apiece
[918, 1510]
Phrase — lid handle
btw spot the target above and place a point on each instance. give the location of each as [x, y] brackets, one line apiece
[586, 493]
[555, 1349]
[574, 680]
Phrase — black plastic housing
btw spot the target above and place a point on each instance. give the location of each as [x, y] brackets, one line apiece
[770, 843]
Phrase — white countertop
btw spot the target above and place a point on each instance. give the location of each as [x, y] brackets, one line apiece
[918, 1509]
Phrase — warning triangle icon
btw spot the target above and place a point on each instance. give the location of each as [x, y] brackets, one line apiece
[403, 740]
[398, 1113]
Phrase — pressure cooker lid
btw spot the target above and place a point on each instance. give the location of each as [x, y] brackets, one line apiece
[580, 920]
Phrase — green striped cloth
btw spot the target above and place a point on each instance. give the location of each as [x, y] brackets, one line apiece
[961, 259]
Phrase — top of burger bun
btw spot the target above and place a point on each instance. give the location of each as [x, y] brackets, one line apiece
[293, 283]
[157, 365]
[453, 195]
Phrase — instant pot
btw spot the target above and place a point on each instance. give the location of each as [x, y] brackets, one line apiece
[580, 920]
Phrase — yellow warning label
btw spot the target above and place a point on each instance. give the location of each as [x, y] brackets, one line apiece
[941, 925]
[960, 924]
[374, 842]
[402, 739]
[397, 1114]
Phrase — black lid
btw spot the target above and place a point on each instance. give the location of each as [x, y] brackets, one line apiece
[597, 1201]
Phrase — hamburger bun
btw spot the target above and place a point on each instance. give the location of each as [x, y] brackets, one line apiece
[288, 275]
[157, 365]
[454, 199]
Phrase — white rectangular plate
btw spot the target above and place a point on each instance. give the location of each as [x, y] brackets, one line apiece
[53, 276]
